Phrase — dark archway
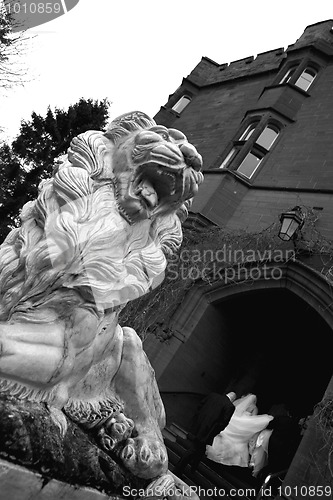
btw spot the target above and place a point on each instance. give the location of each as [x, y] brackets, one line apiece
[276, 329]
[281, 349]
[273, 335]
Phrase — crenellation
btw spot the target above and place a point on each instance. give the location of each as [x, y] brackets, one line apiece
[241, 62]
[208, 72]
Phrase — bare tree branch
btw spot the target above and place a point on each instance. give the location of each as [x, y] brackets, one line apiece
[13, 70]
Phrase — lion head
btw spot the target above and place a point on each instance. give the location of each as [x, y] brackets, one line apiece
[155, 169]
[101, 226]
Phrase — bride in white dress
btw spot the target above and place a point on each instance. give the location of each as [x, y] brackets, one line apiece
[231, 446]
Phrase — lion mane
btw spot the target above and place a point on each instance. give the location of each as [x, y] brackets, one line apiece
[77, 244]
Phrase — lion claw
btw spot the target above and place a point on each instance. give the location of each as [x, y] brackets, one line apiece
[59, 419]
[145, 457]
[119, 427]
[116, 429]
[106, 441]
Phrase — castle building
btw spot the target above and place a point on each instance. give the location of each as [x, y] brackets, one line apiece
[264, 126]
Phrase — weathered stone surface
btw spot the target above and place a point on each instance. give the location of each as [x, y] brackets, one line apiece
[30, 437]
[19, 483]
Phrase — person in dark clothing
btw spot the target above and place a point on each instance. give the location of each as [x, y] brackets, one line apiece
[213, 415]
[283, 442]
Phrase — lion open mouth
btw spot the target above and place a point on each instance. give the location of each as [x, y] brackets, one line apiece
[155, 186]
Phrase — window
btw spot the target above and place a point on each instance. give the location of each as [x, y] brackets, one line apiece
[229, 158]
[259, 149]
[267, 137]
[306, 78]
[301, 76]
[181, 104]
[251, 148]
[239, 144]
[249, 165]
[248, 131]
[288, 75]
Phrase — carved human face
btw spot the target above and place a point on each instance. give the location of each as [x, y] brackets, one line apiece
[156, 170]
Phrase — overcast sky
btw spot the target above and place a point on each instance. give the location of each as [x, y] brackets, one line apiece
[136, 52]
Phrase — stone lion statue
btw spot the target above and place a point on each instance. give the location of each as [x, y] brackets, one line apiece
[95, 238]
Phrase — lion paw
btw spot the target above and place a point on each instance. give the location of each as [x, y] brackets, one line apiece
[170, 487]
[114, 430]
[145, 457]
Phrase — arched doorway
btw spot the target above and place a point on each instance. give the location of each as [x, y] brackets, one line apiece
[275, 340]
[269, 334]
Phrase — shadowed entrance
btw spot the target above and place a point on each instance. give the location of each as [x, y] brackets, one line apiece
[269, 342]
[277, 341]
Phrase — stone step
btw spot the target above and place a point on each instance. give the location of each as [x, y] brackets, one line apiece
[173, 459]
[204, 487]
[179, 431]
[167, 433]
[176, 449]
[209, 476]
[227, 482]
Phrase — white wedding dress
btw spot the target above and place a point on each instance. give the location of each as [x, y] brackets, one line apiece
[259, 452]
[231, 446]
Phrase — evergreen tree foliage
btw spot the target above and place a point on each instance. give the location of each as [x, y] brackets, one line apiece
[31, 156]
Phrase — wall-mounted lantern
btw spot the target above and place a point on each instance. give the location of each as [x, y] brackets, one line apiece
[291, 222]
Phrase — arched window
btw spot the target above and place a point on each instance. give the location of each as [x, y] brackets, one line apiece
[258, 151]
[181, 104]
[267, 137]
[248, 131]
[306, 78]
[228, 159]
[239, 143]
[251, 148]
[301, 79]
[287, 77]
